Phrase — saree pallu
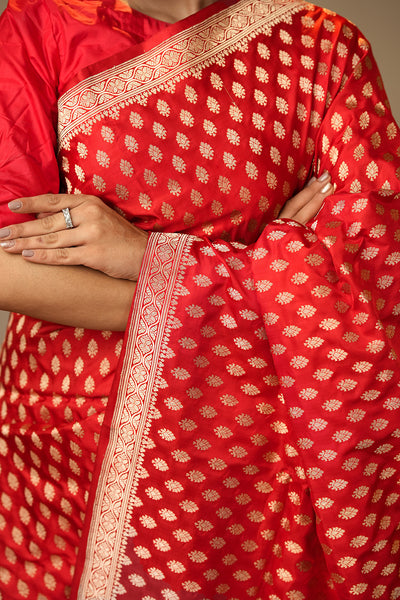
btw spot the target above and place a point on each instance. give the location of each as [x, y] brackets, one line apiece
[250, 446]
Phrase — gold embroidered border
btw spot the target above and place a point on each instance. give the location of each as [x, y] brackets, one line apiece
[187, 51]
[152, 320]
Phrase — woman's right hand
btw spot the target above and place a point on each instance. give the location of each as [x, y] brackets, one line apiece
[305, 205]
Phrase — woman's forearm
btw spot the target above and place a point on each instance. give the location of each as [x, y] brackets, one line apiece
[74, 296]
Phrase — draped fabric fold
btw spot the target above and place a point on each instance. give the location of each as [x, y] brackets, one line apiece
[250, 445]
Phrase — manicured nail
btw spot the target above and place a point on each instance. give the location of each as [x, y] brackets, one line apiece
[326, 188]
[15, 204]
[8, 244]
[28, 253]
[4, 232]
[311, 181]
[323, 177]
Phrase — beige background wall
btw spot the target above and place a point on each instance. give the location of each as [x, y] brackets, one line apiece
[379, 21]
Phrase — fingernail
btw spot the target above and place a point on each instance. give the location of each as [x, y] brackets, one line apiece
[311, 180]
[4, 232]
[15, 204]
[326, 188]
[8, 244]
[324, 176]
[28, 253]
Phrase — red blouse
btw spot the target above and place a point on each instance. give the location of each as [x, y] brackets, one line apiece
[43, 46]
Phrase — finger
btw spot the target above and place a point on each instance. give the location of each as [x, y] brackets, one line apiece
[300, 200]
[51, 223]
[56, 256]
[310, 210]
[46, 203]
[306, 195]
[56, 239]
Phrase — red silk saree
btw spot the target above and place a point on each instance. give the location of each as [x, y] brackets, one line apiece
[250, 444]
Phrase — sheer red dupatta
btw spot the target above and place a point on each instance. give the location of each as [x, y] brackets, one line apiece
[250, 446]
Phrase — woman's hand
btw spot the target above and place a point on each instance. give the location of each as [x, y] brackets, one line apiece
[306, 204]
[100, 238]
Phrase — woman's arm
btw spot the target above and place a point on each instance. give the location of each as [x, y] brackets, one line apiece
[74, 296]
[80, 296]
[100, 238]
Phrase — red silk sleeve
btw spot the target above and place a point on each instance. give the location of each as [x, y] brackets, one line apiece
[28, 106]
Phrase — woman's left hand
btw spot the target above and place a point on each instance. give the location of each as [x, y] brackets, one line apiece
[100, 238]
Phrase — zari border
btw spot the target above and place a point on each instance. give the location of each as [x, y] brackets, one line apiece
[152, 320]
[164, 65]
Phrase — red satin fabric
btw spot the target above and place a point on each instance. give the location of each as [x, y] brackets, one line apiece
[253, 411]
[250, 448]
[43, 46]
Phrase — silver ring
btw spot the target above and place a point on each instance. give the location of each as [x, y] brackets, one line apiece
[68, 220]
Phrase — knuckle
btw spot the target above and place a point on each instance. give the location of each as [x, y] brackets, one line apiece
[93, 200]
[41, 255]
[48, 222]
[15, 231]
[49, 239]
[94, 230]
[52, 238]
[53, 199]
[62, 254]
[310, 188]
[93, 211]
